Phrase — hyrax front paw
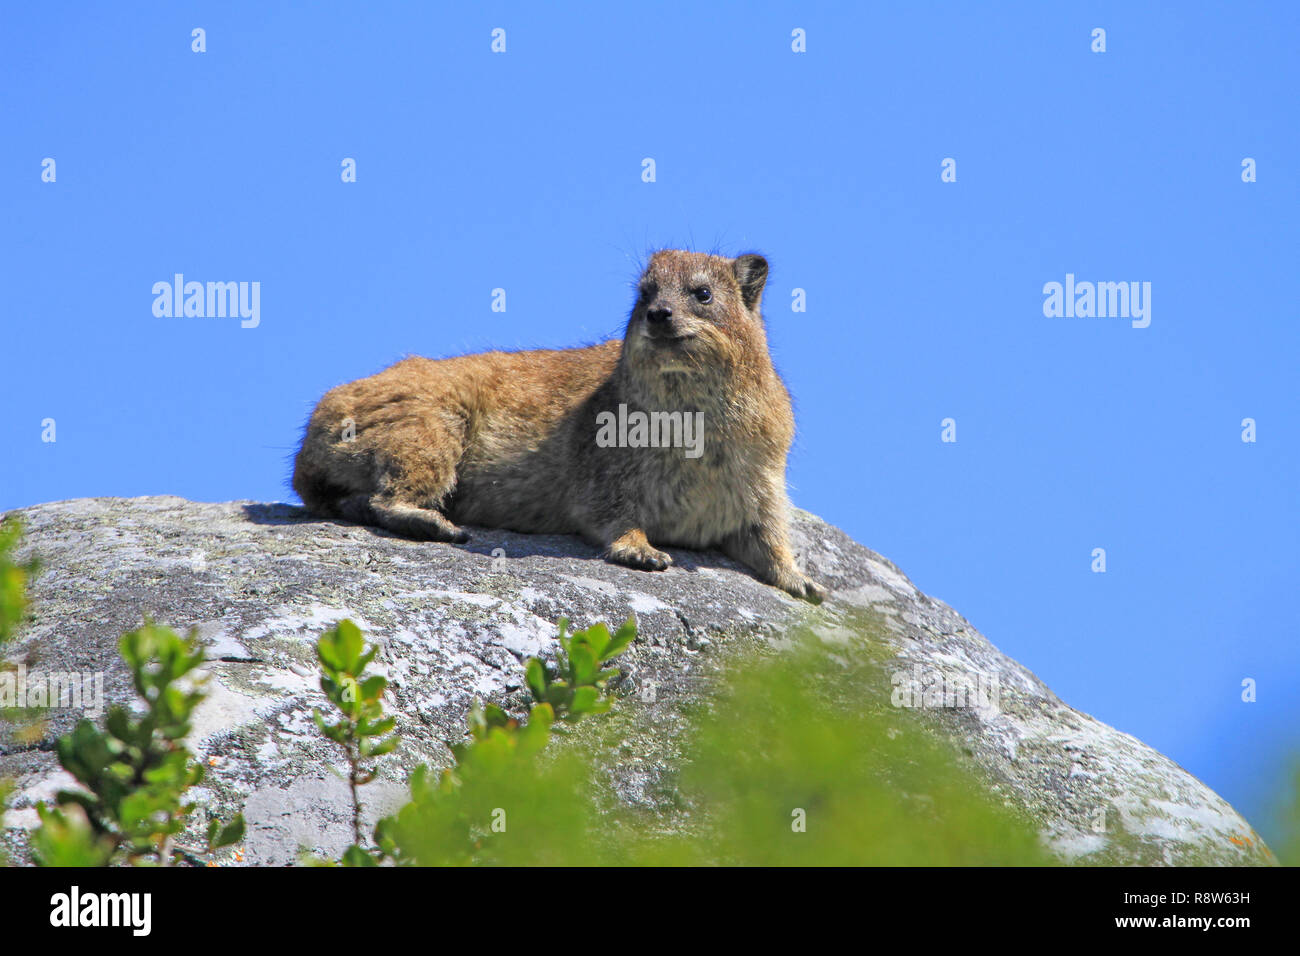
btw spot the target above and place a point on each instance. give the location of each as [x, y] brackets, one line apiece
[801, 586]
[635, 551]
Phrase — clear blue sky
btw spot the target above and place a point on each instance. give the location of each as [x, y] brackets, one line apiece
[924, 299]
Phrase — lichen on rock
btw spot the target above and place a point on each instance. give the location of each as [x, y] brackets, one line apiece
[261, 582]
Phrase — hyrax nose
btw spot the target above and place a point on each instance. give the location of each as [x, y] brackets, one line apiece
[658, 314]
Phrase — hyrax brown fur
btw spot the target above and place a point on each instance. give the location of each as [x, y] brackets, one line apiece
[510, 439]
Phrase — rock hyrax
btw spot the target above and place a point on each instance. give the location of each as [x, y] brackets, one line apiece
[675, 436]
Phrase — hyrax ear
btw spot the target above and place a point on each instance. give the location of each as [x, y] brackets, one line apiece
[751, 274]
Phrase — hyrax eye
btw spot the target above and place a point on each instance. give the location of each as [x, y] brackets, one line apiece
[704, 294]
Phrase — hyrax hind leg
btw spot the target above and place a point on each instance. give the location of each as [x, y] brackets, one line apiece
[392, 466]
[399, 517]
[415, 461]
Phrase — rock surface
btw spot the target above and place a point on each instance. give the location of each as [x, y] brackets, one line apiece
[260, 582]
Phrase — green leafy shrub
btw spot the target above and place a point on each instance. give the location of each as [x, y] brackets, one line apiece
[362, 730]
[1287, 820]
[797, 763]
[24, 724]
[14, 577]
[503, 802]
[790, 761]
[574, 686]
[135, 771]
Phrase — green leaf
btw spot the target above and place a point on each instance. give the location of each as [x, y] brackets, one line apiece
[532, 738]
[535, 678]
[228, 835]
[558, 693]
[583, 664]
[69, 839]
[376, 728]
[477, 723]
[495, 716]
[542, 714]
[385, 746]
[342, 648]
[624, 636]
[355, 856]
[351, 645]
[119, 725]
[372, 688]
[584, 698]
[596, 638]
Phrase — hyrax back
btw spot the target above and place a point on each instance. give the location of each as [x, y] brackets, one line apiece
[675, 436]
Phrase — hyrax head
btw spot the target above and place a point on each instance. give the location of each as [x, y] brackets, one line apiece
[695, 310]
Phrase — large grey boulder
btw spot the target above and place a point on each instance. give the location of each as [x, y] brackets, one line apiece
[260, 582]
